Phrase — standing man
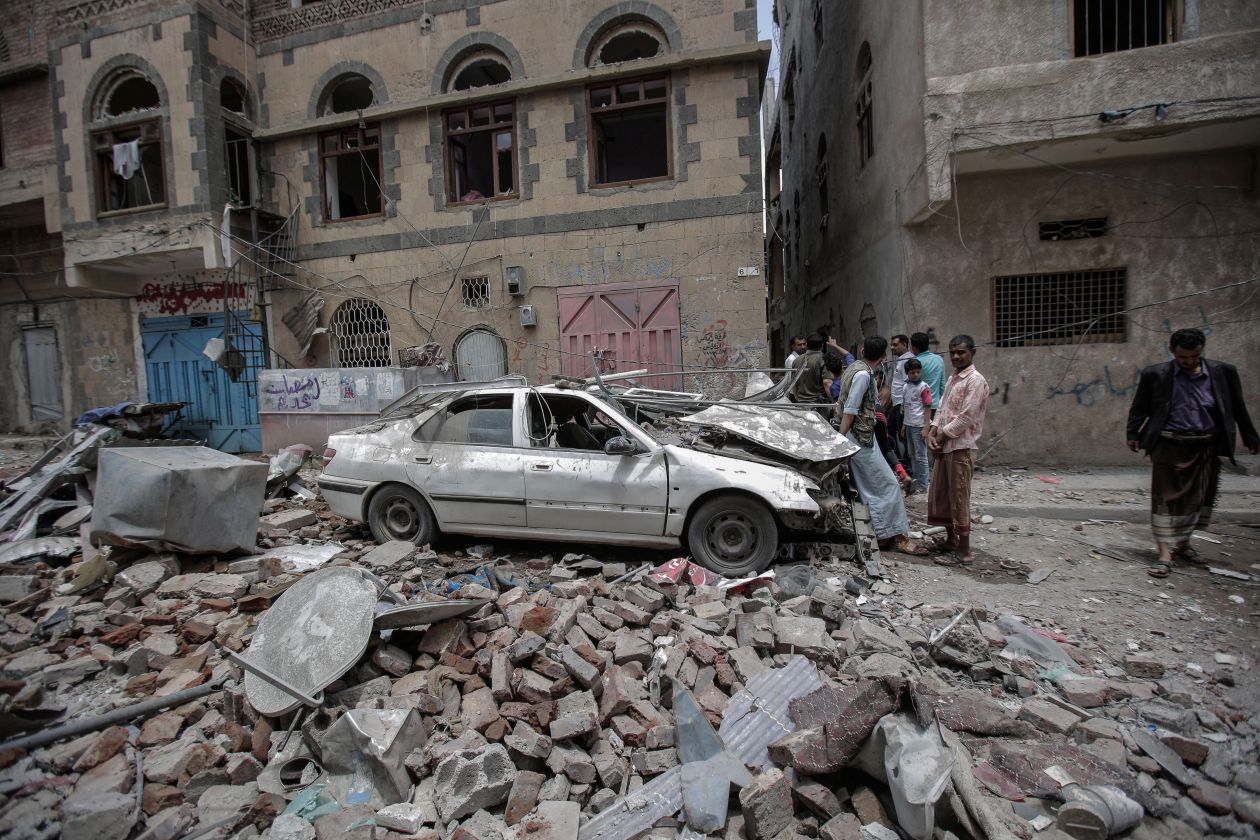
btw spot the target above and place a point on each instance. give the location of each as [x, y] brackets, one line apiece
[871, 474]
[955, 430]
[1184, 414]
[901, 354]
[933, 367]
[797, 346]
[814, 380]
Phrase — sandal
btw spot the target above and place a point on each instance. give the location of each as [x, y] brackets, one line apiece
[1158, 571]
[903, 545]
[952, 559]
[1188, 554]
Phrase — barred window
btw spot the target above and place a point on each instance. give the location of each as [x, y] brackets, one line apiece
[1066, 307]
[361, 335]
[475, 292]
[1103, 26]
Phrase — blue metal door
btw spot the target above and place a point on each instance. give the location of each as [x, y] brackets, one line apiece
[220, 412]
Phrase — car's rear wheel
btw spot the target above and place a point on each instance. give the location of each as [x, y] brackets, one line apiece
[733, 535]
[399, 513]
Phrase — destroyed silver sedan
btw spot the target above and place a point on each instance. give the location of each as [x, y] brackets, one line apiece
[558, 464]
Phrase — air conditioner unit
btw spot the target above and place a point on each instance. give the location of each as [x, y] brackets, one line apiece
[515, 280]
[529, 318]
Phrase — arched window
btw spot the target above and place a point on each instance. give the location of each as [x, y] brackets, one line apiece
[232, 97]
[482, 68]
[346, 94]
[127, 158]
[627, 39]
[360, 335]
[480, 355]
[862, 106]
[126, 93]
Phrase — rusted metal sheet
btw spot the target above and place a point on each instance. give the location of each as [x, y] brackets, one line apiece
[799, 434]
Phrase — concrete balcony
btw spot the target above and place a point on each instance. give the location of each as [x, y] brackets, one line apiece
[125, 259]
[1047, 113]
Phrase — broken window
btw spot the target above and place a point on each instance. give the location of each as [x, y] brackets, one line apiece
[350, 164]
[480, 70]
[629, 131]
[347, 94]
[360, 333]
[865, 117]
[128, 93]
[1067, 307]
[626, 40]
[484, 419]
[1103, 26]
[568, 423]
[232, 97]
[130, 172]
[1065, 229]
[475, 292]
[481, 152]
[236, 156]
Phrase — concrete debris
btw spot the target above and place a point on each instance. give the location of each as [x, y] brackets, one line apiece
[470, 696]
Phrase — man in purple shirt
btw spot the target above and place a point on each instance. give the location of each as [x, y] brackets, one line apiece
[1185, 414]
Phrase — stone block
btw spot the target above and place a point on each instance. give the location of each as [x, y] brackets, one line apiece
[576, 715]
[1192, 752]
[1143, 666]
[1086, 692]
[549, 821]
[98, 816]
[755, 630]
[478, 709]
[1211, 797]
[766, 805]
[525, 741]
[572, 762]
[586, 674]
[471, 780]
[524, 647]
[804, 635]
[1048, 717]
[523, 796]
[289, 520]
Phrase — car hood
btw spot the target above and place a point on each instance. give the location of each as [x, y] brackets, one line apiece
[795, 438]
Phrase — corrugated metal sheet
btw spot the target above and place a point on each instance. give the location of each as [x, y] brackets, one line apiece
[754, 718]
[758, 715]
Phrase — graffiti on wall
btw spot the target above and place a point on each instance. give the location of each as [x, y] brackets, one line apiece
[189, 296]
[1088, 393]
[117, 379]
[526, 356]
[294, 394]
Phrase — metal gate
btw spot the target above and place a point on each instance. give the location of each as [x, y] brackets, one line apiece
[221, 412]
[480, 356]
[43, 373]
[635, 325]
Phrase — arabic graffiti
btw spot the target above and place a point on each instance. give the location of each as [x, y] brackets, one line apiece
[191, 298]
[297, 394]
[1088, 394]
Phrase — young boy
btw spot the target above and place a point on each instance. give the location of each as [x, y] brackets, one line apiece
[916, 407]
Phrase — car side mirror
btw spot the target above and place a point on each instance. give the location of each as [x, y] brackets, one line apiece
[620, 446]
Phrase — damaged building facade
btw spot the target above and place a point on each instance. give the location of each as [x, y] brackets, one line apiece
[517, 185]
[1068, 182]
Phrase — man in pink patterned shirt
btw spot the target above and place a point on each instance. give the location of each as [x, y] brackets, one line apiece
[955, 430]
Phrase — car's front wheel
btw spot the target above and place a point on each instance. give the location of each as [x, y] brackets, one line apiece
[399, 513]
[733, 535]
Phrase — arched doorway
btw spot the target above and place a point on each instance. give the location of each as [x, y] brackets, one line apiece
[480, 355]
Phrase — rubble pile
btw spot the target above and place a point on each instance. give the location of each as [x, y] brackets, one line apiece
[342, 689]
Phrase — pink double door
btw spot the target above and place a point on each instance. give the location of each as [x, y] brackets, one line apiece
[635, 325]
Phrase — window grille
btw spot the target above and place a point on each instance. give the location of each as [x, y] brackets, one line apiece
[1063, 229]
[1066, 307]
[1103, 26]
[475, 292]
[361, 335]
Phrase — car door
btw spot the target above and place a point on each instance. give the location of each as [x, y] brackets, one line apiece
[589, 490]
[465, 460]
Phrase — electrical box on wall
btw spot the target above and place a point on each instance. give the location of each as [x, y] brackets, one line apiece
[529, 318]
[515, 280]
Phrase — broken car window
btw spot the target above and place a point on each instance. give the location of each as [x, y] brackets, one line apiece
[483, 419]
